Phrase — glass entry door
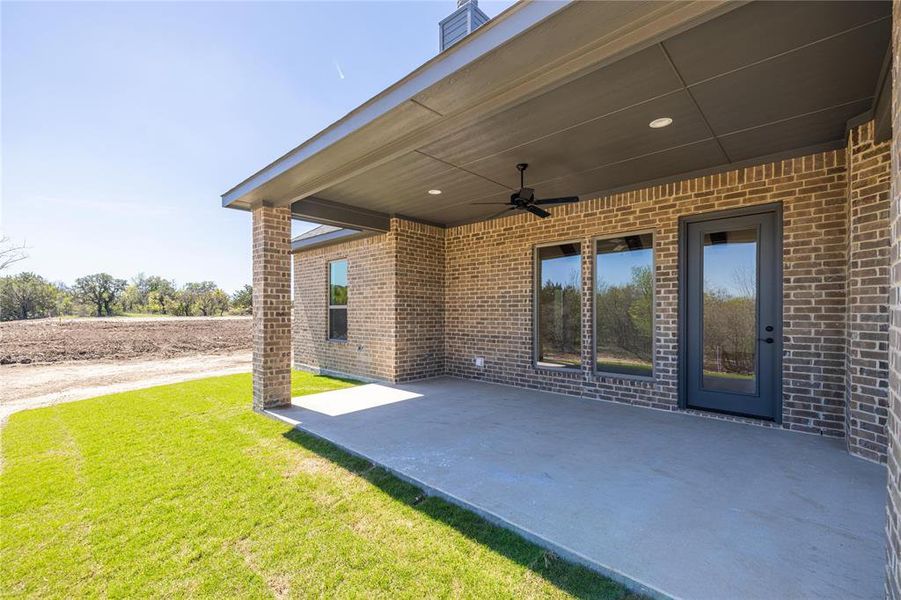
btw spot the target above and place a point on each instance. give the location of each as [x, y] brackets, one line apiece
[732, 311]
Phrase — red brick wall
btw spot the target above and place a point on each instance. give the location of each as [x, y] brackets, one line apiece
[488, 290]
[893, 521]
[395, 309]
[869, 248]
[419, 300]
[369, 349]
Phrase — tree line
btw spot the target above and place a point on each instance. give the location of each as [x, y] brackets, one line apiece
[30, 296]
[625, 318]
[625, 321]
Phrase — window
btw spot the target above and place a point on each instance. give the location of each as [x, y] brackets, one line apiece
[624, 305]
[337, 300]
[559, 306]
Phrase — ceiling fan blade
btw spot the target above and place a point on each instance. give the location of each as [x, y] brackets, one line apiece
[538, 212]
[497, 203]
[503, 212]
[563, 200]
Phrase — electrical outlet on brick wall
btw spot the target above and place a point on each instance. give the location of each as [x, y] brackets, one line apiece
[479, 361]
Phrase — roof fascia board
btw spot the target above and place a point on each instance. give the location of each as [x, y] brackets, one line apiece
[491, 35]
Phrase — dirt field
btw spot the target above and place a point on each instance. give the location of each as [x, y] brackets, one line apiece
[120, 338]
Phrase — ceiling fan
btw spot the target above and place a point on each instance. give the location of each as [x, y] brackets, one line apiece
[524, 198]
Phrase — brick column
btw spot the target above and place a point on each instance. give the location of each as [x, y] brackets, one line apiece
[869, 249]
[271, 307]
[893, 521]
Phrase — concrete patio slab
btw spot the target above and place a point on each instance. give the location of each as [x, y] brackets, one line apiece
[685, 506]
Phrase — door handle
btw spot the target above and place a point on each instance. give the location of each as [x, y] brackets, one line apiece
[768, 340]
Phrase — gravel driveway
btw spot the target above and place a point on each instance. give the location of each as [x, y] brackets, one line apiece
[36, 385]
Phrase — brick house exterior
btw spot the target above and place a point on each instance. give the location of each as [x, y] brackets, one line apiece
[426, 301]
[449, 289]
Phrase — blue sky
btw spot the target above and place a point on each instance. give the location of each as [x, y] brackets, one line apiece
[562, 270]
[726, 266]
[615, 268]
[123, 122]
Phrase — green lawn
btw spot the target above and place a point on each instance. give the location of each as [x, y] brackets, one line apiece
[181, 491]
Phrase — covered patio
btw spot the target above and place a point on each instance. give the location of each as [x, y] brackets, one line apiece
[674, 505]
[720, 236]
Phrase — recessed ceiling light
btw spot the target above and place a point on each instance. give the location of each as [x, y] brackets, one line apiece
[434, 192]
[660, 123]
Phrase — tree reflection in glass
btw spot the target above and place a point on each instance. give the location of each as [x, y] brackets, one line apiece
[559, 306]
[730, 311]
[624, 305]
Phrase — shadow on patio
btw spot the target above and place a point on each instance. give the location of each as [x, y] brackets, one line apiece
[575, 580]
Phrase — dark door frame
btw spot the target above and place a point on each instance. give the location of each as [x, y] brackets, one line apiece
[774, 207]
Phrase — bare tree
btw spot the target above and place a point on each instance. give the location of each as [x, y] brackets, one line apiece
[744, 278]
[10, 253]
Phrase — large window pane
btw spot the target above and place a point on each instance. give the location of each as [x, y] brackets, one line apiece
[559, 306]
[730, 311]
[338, 282]
[624, 305]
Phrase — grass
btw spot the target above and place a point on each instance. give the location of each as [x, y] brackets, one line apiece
[624, 366]
[727, 375]
[181, 491]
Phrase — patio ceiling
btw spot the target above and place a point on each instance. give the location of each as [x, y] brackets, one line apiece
[760, 80]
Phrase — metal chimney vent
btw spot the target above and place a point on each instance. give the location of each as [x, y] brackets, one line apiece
[463, 21]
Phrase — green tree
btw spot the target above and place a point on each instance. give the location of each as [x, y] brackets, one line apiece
[560, 331]
[181, 304]
[242, 301]
[160, 293]
[131, 300]
[26, 296]
[206, 297]
[66, 302]
[729, 330]
[147, 293]
[101, 290]
[625, 316]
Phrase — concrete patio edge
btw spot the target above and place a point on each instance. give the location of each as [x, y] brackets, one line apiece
[633, 584]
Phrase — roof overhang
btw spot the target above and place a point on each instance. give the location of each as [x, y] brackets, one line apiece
[570, 87]
[390, 112]
[314, 239]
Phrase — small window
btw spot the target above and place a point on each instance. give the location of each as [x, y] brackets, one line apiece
[559, 306]
[337, 300]
[624, 305]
